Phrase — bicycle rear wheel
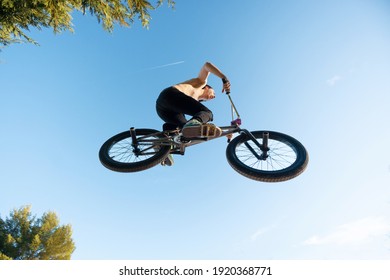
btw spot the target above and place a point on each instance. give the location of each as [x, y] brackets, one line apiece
[118, 153]
[286, 157]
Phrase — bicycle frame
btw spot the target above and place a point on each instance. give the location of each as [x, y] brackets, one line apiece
[178, 143]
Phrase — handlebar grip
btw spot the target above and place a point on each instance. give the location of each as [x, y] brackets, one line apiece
[225, 81]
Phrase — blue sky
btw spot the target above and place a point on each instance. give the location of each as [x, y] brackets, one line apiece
[317, 70]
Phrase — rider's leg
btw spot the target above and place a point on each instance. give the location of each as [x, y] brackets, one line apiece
[198, 125]
[168, 111]
[172, 106]
[169, 126]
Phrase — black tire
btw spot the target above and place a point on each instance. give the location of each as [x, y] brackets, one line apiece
[117, 153]
[287, 157]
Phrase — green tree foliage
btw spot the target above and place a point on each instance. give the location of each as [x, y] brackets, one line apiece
[24, 237]
[18, 16]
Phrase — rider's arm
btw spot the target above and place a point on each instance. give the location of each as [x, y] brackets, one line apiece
[208, 68]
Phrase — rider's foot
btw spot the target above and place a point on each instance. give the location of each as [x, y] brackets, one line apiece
[168, 161]
[195, 128]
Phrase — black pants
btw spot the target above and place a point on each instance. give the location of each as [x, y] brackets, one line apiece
[172, 105]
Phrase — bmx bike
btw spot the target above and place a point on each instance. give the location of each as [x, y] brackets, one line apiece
[266, 156]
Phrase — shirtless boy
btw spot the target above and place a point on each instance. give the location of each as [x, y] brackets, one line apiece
[185, 98]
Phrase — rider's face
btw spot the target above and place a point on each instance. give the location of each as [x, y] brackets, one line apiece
[208, 93]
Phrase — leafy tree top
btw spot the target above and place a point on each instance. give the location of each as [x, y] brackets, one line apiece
[18, 16]
[24, 237]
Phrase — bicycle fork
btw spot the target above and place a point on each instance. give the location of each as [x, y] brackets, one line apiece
[142, 145]
[263, 147]
[134, 142]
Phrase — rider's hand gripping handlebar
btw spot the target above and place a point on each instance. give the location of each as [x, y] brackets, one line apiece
[225, 81]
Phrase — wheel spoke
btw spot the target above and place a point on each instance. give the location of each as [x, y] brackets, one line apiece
[123, 152]
[280, 156]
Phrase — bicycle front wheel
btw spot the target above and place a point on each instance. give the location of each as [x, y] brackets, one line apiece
[119, 154]
[286, 157]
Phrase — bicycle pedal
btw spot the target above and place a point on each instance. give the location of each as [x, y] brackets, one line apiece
[210, 131]
[202, 131]
[206, 131]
